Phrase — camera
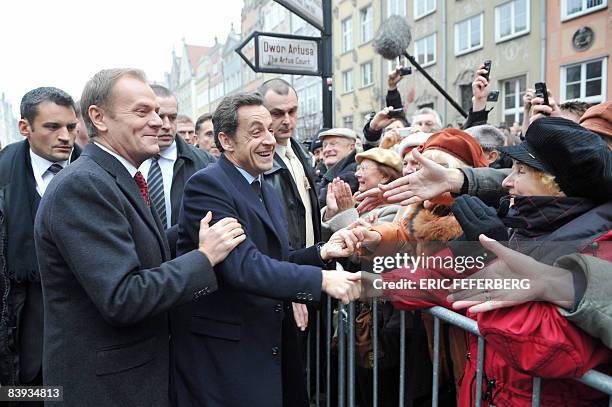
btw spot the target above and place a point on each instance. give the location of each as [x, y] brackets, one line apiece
[493, 96]
[541, 91]
[487, 66]
[396, 112]
[405, 70]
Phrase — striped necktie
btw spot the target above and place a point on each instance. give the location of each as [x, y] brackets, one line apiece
[156, 190]
[55, 168]
[256, 185]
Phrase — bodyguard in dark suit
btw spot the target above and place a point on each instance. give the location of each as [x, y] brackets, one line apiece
[48, 123]
[168, 172]
[226, 348]
[103, 257]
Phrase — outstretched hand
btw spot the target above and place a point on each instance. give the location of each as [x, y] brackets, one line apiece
[342, 285]
[428, 182]
[540, 282]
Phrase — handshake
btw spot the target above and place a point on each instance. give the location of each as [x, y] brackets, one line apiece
[343, 285]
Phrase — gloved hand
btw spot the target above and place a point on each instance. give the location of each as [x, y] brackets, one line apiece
[476, 218]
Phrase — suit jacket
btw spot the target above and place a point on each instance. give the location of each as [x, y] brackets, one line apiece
[189, 160]
[281, 180]
[24, 308]
[107, 286]
[226, 348]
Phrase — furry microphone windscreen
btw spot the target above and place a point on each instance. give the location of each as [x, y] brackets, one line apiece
[392, 38]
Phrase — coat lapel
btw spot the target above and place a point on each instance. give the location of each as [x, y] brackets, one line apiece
[274, 208]
[128, 186]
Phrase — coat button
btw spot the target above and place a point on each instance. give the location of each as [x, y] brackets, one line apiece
[275, 351]
[310, 297]
[278, 308]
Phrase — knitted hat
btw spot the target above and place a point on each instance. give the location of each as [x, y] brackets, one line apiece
[382, 156]
[578, 158]
[598, 119]
[459, 144]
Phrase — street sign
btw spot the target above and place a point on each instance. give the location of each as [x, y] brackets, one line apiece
[283, 53]
[309, 10]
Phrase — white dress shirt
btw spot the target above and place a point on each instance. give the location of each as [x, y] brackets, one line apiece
[41, 175]
[128, 165]
[166, 161]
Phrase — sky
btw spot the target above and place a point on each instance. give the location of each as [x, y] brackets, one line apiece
[63, 43]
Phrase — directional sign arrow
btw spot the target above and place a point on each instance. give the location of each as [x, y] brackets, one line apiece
[242, 45]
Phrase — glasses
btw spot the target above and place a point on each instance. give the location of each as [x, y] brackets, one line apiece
[364, 168]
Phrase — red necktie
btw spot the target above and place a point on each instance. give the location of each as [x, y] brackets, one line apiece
[142, 185]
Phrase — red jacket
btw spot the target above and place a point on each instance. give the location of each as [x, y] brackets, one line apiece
[523, 341]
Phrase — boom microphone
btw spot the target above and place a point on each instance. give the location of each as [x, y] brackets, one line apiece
[393, 38]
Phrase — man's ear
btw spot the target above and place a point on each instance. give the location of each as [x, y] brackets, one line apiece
[492, 156]
[352, 146]
[24, 128]
[97, 116]
[226, 141]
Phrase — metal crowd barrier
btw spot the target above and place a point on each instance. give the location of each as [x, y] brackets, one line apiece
[346, 357]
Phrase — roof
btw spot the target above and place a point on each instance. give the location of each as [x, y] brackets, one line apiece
[195, 52]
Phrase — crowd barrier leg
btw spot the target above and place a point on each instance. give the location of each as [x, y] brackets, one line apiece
[402, 371]
[535, 397]
[375, 353]
[318, 361]
[328, 337]
[436, 364]
[341, 354]
[351, 354]
[479, 370]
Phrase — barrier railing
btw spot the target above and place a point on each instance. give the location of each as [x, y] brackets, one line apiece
[345, 389]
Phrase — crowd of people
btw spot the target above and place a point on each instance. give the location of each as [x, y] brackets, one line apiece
[147, 259]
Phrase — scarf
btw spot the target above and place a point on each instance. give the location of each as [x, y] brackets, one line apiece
[20, 213]
[544, 228]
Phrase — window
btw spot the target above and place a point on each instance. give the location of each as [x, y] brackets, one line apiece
[202, 99]
[423, 8]
[347, 34]
[347, 81]
[585, 81]
[367, 76]
[514, 90]
[397, 7]
[511, 20]
[425, 50]
[367, 19]
[468, 35]
[273, 17]
[309, 99]
[575, 8]
[347, 122]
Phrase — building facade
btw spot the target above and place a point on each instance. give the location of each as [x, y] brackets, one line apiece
[450, 40]
[358, 71]
[9, 132]
[185, 86]
[578, 46]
